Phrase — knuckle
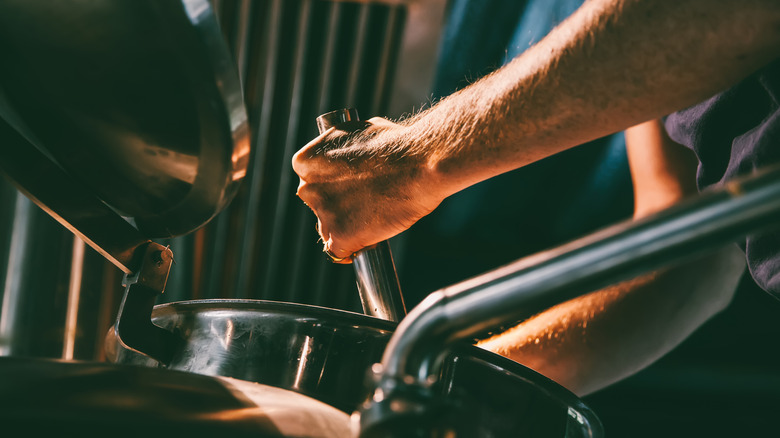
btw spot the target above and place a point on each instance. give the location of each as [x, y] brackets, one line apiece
[306, 192]
[296, 162]
[308, 152]
[299, 162]
[381, 122]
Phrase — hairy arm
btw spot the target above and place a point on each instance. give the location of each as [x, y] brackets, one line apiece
[592, 341]
[612, 64]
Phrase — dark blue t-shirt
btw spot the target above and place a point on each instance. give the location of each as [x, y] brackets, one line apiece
[733, 134]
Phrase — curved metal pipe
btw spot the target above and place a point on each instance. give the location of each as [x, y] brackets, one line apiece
[529, 285]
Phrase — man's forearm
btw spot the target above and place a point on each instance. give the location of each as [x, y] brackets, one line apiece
[590, 342]
[610, 65]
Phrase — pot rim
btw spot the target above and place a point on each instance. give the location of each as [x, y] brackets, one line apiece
[276, 306]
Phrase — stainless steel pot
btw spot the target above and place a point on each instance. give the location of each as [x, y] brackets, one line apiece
[320, 352]
[327, 354]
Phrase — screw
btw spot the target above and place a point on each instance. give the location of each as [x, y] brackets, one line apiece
[156, 257]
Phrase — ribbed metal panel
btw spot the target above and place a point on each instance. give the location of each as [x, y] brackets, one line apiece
[297, 59]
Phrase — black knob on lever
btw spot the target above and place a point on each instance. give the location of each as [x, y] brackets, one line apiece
[377, 280]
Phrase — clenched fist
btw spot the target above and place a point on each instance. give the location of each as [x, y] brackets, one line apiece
[366, 182]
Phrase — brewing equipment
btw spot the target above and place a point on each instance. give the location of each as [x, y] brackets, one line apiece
[126, 123]
[375, 274]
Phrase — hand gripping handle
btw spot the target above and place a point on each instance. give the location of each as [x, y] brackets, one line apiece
[377, 280]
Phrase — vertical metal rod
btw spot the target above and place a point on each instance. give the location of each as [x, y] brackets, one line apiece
[377, 281]
[334, 22]
[357, 61]
[111, 287]
[14, 271]
[386, 61]
[324, 270]
[74, 293]
[246, 261]
[217, 257]
[304, 268]
[279, 238]
[242, 30]
[221, 263]
[198, 263]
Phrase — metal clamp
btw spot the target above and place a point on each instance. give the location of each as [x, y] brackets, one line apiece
[134, 326]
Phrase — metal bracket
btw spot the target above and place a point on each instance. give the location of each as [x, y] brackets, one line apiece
[134, 326]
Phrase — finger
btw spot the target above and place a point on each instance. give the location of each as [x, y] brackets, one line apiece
[323, 236]
[381, 121]
[301, 191]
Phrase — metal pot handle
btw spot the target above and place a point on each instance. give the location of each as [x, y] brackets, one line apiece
[134, 326]
[377, 280]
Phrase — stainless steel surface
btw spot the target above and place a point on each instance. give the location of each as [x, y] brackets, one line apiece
[319, 352]
[46, 312]
[327, 354]
[18, 231]
[134, 104]
[65, 199]
[335, 118]
[480, 394]
[508, 294]
[377, 280]
[125, 103]
[377, 283]
[87, 399]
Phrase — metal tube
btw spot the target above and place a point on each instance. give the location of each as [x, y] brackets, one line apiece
[12, 289]
[377, 283]
[74, 295]
[322, 288]
[246, 260]
[532, 284]
[274, 275]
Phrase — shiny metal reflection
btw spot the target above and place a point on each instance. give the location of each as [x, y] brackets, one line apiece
[74, 294]
[323, 353]
[137, 101]
[327, 354]
[12, 287]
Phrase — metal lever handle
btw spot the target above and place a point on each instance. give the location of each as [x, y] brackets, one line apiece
[377, 281]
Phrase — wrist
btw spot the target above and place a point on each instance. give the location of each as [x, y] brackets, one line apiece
[451, 143]
[426, 144]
